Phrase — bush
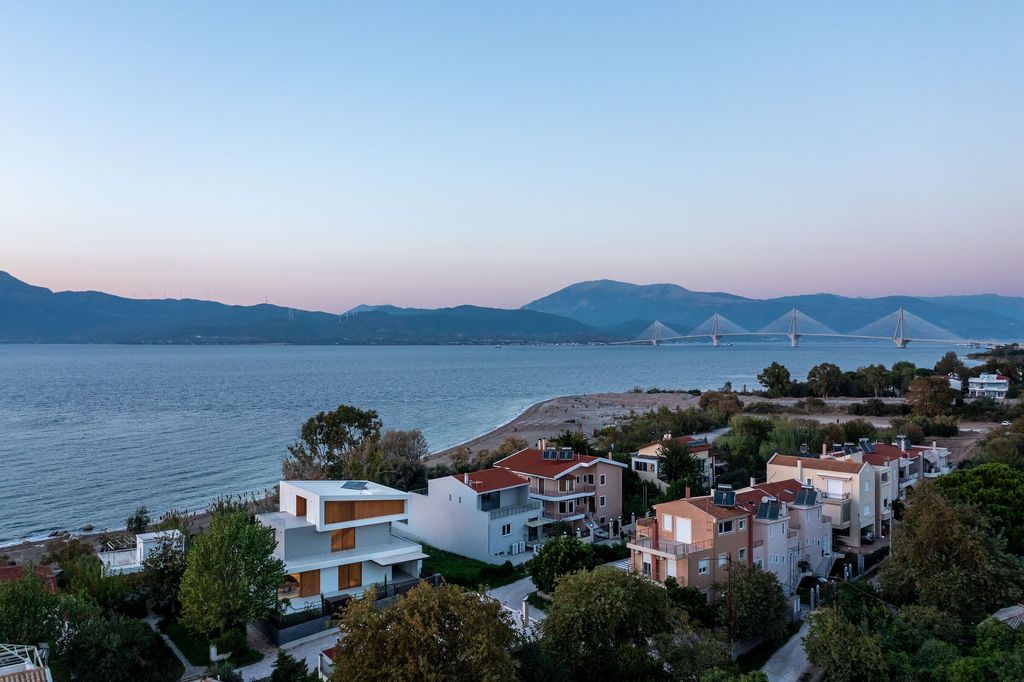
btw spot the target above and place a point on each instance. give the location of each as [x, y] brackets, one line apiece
[491, 572]
[232, 640]
[225, 672]
[609, 553]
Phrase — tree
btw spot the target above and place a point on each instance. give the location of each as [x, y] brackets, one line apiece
[29, 611]
[161, 576]
[776, 379]
[758, 604]
[557, 557]
[875, 378]
[824, 379]
[901, 374]
[930, 396]
[121, 650]
[342, 444]
[950, 363]
[402, 464]
[600, 620]
[677, 465]
[138, 521]
[693, 602]
[997, 491]
[947, 557]
[231, 576]
[429, 634]
[573, 439]
[843, 650]
[287, 668]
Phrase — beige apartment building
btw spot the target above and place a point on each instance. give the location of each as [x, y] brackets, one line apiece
[693, 540]
[646, 461]
[849, 493]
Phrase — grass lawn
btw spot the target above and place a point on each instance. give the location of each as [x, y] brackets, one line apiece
[467, 572]
[195, 647]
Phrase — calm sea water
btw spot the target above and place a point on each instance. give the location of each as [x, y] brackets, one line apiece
[88, 433]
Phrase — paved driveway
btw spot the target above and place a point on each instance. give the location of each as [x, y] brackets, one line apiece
[513, 594]
[790, 661]
[307, 649]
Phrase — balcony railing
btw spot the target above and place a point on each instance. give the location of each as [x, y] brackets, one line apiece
[558, 516]
[676, 549]
[502, 512]
[835, 497]
[826, 519]
[790, 534]
[580, 489]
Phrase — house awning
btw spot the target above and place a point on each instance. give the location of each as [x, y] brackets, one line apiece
[932, 457]
[400, 558]
[537, 523]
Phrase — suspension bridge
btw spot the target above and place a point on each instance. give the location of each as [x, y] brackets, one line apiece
[795, 325]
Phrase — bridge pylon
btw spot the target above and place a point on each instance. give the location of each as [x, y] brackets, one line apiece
[900, 336]
[716, 332]
[794, 330]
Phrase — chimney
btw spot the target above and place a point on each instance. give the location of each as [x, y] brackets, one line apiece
[753, 481]
[542, 443]
[902, 442]
[935, 445]
[465, 478]
[800, 469]
[687, 493]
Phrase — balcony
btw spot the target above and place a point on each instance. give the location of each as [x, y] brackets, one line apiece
[840, 516]
[935, 473]
[563, 516]
[502, 512]
[579, 490]
[669, 548]
[908, 481]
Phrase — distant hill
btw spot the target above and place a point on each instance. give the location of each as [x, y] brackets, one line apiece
[621, 307]
[30, 314]
[581, 313]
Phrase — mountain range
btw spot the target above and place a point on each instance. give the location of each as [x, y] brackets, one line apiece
[587, 312]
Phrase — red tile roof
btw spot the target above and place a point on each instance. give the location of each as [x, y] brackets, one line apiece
[10, 574]
[704, 504]
[489, 480]
[531, 461]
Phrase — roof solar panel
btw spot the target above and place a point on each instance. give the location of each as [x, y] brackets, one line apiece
[354, 485]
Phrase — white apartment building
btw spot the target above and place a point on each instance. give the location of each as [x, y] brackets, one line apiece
[335, 539]
[988, 386]
[119, 558]
[485, 515]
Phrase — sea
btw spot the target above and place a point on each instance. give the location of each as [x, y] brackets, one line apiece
[90, 432]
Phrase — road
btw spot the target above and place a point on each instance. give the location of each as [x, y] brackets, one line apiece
[307, 649]
[513, 594]
[790, 661]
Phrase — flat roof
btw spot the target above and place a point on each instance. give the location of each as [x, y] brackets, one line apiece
[337, 489]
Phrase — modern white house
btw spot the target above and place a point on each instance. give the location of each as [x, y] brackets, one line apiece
[335, 539]
[485, 515]
[119, 558]
[993, 386]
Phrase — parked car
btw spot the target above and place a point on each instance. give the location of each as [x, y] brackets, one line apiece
[1007, 424]
[867, 537]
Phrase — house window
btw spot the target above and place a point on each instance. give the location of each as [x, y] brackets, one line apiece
[867, 510]
[350, 575]
[783, 527]
[603, 479]
[449, 497]
[666, 521]
[723, 559]
[602, 520]
[601, 501]
[640, 466]
[506, 529]
[771, 530]
[743, 553]
[702, 566]
[867, 486]
[759, 563]
[724, 527]
[590, 479]
[743, 524]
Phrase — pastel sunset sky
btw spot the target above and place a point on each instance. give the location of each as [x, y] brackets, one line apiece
[322, 155]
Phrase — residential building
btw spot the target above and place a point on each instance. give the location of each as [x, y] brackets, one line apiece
[125, 555]
[988, 386]
[583, 490]
[335, 539]
[790, 535]
[693, 540]
[848, 492]
[485, 515]
[23, 663]
[646, 461]
[955, 382]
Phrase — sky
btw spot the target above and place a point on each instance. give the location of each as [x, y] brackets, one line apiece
[322, 155]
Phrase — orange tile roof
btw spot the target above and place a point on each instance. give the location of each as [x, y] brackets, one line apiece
[489, 480]
[11, 574]
[784, 491]
[814, 463]
[531, 461]
[704, 505]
